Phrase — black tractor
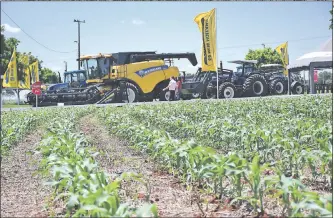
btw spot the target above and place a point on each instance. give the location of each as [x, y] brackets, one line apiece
[278, 82]
[204, 84]
[248, 81]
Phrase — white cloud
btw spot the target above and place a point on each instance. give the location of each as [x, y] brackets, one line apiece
[9, 28]
[138, 22]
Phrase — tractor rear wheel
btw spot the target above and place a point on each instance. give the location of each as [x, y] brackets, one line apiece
[227, 90]
[255, 85]
[278, 86]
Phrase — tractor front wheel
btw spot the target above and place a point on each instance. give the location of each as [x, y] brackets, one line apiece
[227, 90]
[210, 92]
[297, 89]
[278, 86]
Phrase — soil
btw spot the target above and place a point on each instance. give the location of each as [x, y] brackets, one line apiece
[117, 157]
[22, 191]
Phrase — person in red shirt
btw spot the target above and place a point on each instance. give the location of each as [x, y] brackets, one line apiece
[178, 87]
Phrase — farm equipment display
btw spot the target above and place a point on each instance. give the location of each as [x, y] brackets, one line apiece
[120, 77]
[246, 81]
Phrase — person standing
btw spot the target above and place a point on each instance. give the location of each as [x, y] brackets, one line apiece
[171, 87]
[179, 87]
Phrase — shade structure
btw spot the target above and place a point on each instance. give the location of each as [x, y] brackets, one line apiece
[321, 58]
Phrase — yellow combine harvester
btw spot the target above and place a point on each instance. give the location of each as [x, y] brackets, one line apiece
[122, 77]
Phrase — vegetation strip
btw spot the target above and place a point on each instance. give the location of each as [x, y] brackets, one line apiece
[240, 175]
[22, 191]
[76, 178]
[116, 156]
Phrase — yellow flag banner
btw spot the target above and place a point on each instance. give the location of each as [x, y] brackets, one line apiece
[10, 77]
[207, 26]
[23, 72]
[33, 69]
[282, 50]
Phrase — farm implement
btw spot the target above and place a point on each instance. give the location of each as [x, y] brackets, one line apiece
[118, 77]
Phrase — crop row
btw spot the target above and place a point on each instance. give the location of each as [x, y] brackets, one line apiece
[283, 138]
[76, 177]
[232, 174]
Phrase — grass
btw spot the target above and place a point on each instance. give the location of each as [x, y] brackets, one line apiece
[15, 105]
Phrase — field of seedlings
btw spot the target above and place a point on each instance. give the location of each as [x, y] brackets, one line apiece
[256, 157]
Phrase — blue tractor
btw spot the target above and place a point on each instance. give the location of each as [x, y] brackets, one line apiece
[72, 79]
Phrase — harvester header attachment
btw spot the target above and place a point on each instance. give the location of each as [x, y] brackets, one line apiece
[142, 57]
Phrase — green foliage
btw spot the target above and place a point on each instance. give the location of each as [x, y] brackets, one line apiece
[284, 137]
[331, 20]
[48, 76]
[76, 177]
[7, 47]
[264, 56]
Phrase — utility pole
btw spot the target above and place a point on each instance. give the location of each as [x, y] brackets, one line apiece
[65, 66]
[79, 21]
[263, 45]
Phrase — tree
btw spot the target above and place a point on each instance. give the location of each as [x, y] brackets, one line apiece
[7, 47]
[264, 56]
[325, 77]
[48, 76]
[331, 20]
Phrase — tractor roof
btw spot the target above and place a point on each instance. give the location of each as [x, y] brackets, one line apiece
[75, 71]
[243, 62]
[271, 65]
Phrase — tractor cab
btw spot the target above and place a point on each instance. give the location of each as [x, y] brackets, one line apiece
[75, 78]
[244, 69]
[72, 79]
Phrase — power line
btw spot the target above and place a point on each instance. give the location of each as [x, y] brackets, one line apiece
[33, 37]
[266, 43]
[270, 43]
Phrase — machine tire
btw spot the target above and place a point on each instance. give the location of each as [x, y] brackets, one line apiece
[227, 87]
[206, 92]
[253, 82]
[164, 95]
[297, 89]
[278, 86]
[133, 94]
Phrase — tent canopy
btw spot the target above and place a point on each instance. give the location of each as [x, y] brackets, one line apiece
[321, 58]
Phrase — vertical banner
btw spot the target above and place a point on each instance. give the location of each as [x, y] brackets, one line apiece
[10, 77]
[23, 73]
[282, 50]
[33, 69]
[207, 26]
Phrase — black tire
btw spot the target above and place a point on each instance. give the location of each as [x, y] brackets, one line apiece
[278, 86]
[210, 92]
[253, 83]
[164, 95]
[132, 92]
[227, 90]
[297, 89]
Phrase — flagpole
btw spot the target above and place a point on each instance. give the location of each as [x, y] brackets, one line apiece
[287, 45]
[217, 54]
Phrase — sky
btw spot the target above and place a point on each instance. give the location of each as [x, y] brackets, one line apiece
[163, 27]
